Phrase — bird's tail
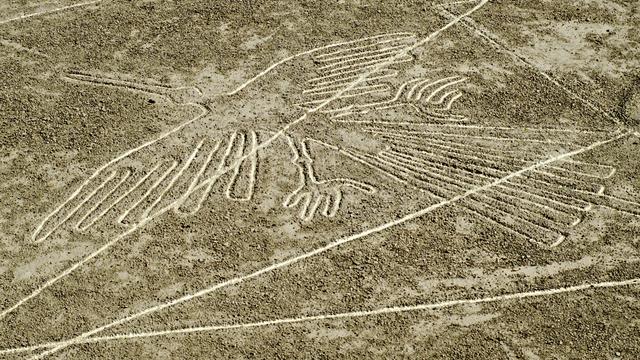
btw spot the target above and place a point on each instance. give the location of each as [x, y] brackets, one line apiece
[542, 204]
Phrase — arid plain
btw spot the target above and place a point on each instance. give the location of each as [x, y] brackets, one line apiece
[319, 179]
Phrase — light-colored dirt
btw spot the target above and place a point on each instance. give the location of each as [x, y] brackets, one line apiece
[346, 179]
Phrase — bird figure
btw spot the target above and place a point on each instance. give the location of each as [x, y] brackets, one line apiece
[309, 98]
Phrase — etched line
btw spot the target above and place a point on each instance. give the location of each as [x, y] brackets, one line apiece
[178, 95]
[149, 210]
[465, 136]
[75, 210]
[249, 173]
[100, 202]
[373, 58]
[196, 180]
[502, 202]
[345, 58]
[157, 183]
[396, 37]
[471, 177]
[312, 193]
[37, 235]
[47, 12]
[346, 315]
[122, 197]
[358, 80]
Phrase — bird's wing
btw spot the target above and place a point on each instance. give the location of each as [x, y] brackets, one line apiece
[444, 161]
[136, 188]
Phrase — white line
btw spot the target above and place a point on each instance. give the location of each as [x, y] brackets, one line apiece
[415, 87]
[345, 315]
[196, 179]
[216, 175]
[383, 55]
[68, 271]
[75, 210]
[281, 132]
[148, 213]
[236, 171]
[525, 129]
[457, 2]
[148, 192]
[415, 142]
[397, 37]
[336, 84]
[612, 170]
[373, 63]
[21, 17]
[439, 175]
[253, 167]
[352, 93]
[37, 237]
[543, 188]
[99, 203]
[383, 73]
[364, 53]
[453, 99]
[434, 92]
[123, 196]
[574, 183]
[381, 132]
[340, 75]
[363, 77]
[360, 157]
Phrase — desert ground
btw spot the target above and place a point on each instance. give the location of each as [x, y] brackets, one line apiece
[282, 179]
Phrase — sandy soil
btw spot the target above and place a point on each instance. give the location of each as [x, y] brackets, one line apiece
[319, 179]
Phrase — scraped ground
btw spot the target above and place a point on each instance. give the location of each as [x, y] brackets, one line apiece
[503, 227]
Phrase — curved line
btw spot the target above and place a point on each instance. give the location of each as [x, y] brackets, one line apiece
[434, 83]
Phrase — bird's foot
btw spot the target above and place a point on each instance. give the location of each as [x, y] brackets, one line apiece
[322, 197]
